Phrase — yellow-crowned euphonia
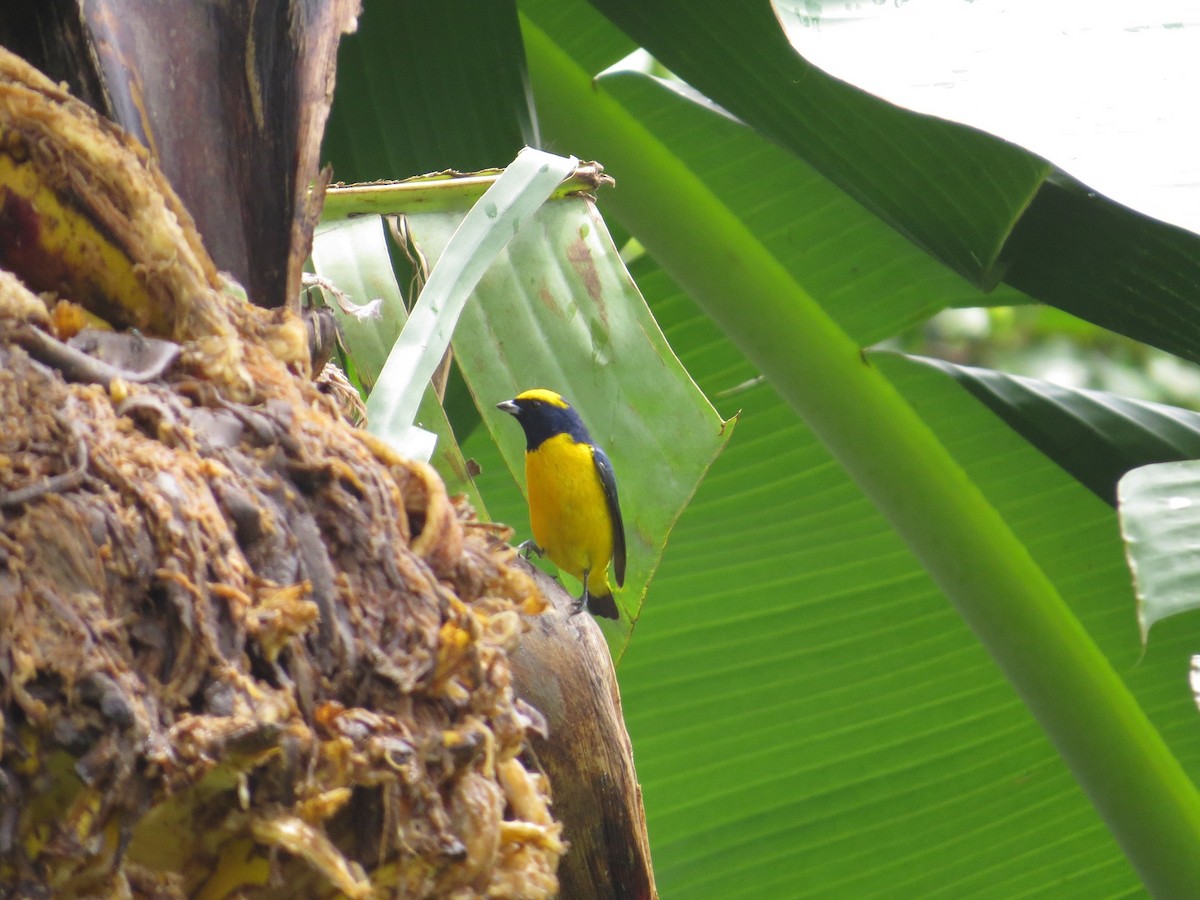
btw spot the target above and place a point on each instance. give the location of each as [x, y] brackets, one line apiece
[573, 504]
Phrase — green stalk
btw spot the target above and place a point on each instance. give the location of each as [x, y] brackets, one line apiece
[1118, 757]
[440, 192]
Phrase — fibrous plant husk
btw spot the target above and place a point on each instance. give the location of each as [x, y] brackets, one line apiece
[245, 649]
[563, 667]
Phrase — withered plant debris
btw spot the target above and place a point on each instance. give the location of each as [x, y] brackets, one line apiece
[245, 649]
[101, 356]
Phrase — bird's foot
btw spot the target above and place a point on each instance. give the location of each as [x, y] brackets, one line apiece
[580, 603]
[529, 548]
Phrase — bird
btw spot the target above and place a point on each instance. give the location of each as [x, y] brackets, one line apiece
[573, 505]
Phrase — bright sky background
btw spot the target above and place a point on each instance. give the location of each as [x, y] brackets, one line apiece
[1107, 91]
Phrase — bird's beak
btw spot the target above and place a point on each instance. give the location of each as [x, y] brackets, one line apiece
[510, 407]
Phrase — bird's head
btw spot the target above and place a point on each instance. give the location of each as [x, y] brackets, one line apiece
[544, 414]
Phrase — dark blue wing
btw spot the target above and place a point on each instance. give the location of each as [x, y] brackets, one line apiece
[608, 480]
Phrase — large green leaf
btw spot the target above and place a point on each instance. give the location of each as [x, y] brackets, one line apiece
[951, 189]
[810, 719]
[479, 236]
[1003, 69]
[420, 90]
[1095, 435]
[870, 278]
[1105, 263]
[1160, 520]
[986, 208]
[558, 310]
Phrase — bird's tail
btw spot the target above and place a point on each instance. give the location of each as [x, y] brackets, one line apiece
[603, 605]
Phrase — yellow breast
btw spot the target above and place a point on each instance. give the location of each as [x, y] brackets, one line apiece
[567, 509]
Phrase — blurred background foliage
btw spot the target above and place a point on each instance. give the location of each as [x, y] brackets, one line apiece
[1047, 343]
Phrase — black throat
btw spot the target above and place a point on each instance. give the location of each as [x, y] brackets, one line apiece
[546, 421]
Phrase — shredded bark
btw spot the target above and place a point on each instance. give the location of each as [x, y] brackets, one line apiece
[259, 619]
[245, 648]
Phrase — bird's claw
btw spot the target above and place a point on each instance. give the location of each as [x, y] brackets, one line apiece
[580, 602]
[529, 548]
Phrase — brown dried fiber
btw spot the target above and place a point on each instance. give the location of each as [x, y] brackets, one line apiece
[243, 645]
